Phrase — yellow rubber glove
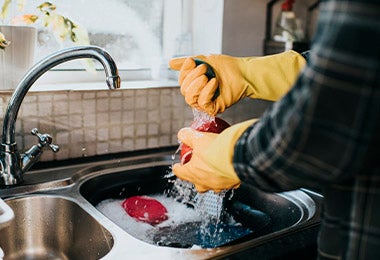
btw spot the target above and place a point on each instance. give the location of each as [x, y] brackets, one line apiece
[210, 167]
[268, 77]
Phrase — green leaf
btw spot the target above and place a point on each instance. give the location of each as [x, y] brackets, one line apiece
[5, 9]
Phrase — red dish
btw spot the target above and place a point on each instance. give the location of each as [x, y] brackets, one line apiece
[145, 209]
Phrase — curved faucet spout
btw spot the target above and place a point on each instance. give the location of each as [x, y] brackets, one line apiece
[11, 163]
[113, 80]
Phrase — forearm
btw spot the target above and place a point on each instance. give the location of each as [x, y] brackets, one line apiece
[321, 131]
[306, 56]
[271, 77]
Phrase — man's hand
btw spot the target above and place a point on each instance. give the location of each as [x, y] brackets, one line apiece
[210, 167]
[199, 170]
[267, 77]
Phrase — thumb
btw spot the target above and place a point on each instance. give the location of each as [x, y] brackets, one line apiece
[186, 62]
[186, 135]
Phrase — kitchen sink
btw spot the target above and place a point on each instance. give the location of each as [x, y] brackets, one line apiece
[57, 215]
[52, 227]
[261, 213]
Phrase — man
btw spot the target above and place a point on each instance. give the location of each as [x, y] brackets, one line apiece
[323, 133]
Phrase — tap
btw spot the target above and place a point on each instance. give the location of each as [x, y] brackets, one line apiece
[13, 164]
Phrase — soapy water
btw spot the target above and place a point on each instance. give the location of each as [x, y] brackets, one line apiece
[178, 214]
[184, 228]
[195, 220]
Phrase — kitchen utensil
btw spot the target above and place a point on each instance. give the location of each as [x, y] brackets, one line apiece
[145, 209]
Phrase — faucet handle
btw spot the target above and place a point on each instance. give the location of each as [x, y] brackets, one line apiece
[45, 140]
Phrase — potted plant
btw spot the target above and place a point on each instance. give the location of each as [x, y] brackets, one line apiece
[18, 37]
[46, 14]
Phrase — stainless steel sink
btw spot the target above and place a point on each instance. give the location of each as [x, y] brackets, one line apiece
[262, 213]
[52, 227]
[56, 217]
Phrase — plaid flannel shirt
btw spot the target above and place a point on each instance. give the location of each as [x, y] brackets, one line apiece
[325, 131]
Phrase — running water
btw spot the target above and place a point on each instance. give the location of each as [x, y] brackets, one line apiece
[201, 118]
[209, 205]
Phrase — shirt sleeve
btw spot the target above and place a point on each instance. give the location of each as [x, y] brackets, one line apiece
[306, 55]
[326, 129]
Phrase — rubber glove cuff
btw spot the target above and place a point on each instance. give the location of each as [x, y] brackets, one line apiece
[221, 151]
[267, 77]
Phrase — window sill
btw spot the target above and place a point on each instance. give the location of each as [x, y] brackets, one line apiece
[81, 86]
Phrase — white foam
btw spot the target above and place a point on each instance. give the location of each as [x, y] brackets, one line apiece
[178, 214]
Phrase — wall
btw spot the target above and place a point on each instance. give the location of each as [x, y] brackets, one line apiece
[86, 123]
[244, 24]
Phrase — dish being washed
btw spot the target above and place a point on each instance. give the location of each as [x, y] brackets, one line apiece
[204, 123]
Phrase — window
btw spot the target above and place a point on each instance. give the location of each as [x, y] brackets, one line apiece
[140, 35]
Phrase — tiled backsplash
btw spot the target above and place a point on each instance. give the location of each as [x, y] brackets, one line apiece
[87, 123]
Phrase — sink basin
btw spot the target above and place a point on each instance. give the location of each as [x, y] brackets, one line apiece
[52, 227]
[57, 215]
[284, 211]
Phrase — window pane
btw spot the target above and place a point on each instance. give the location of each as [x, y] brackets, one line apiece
[141, 35]
[130, 30]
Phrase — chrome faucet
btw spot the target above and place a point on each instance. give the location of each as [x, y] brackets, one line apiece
[14, 165]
